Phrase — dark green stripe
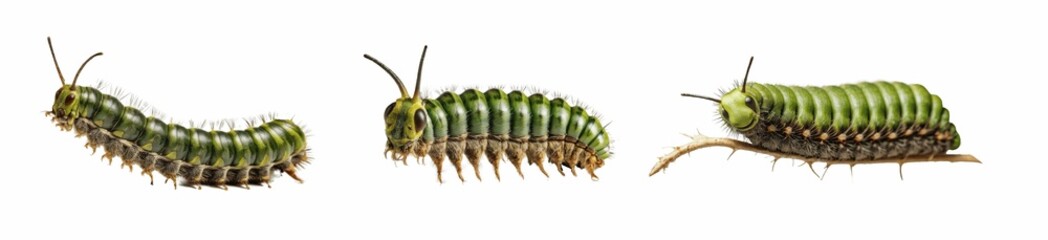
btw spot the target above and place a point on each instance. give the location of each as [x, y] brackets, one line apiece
[223, 149]
[437, 118]
[88, 101]
[155, 137]
[456, 113]
[577, 121]
[520, 115]
[282, 149]
[261, 140]
[177, 142]
[559, 113]
[200, 147]
[108, 115]
[132, 124]
[498, 106]
[540, 115]
[477, 111]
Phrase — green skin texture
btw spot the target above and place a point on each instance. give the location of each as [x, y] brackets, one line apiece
[851, 108]
[270, 142]
[493, 112]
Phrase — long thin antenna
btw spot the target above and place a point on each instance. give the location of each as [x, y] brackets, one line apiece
[82, 68]
[418, 78]
[60, 77]
[700, 96]
[744, 78]
[403, 90]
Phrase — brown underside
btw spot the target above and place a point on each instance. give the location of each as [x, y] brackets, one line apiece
[194, 174]
[561, 151]
[813, 143]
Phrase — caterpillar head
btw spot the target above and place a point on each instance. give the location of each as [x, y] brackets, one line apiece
[67, 98]
[406, 118]
[737, 108]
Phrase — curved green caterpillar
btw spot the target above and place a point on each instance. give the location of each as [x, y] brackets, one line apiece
[213, 157]
[493, 123]
[852, 123]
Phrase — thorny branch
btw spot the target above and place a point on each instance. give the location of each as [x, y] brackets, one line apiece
[700, 141]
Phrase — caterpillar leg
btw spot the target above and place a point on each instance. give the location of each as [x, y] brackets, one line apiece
[266, 174]
[496, 147]
[700, 141]
[148, 163]
[537, 152]
[196, 176]
[436, 153]
[170, 172]
[555, 151]
[474, 150]
[129, 156]
[515, 153]
[220, 178]
[455, 148]
[243, 177]
[591, 165]
[576, 159]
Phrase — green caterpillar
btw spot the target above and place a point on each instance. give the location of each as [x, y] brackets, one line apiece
[493, 123]
[850, 122]
[213, 157]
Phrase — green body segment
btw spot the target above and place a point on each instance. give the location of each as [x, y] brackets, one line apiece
[559, 113]
[222, 144]
[437, 127]
[132, 124]
[88, 101]
[788, 108]
[539, 115]
[875, 105]
[892, 106]
[521, 115]
[477, 111]
[923, 101]
[937, 109]
[178, 142]
[455, 112]
[841, 105]
[281, 147]
[515, 114]
[200, 146]
[907, 103]
[823, 110]
[864, 107]
[805, 107]
[860, 112]
[108, 112]
[773, 105]
[498, 105]
[270, 142]
[247, 152]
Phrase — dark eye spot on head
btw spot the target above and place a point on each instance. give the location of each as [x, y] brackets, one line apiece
[420, 120]
[751, 104]
[389, 109]
[69, 99]
[57, 93]
[724, 114]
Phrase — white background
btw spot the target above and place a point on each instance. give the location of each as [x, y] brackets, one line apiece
[629, 62]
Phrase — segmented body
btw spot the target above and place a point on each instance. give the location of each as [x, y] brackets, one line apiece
[863, 121]
[200, 156]
[494, 123]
